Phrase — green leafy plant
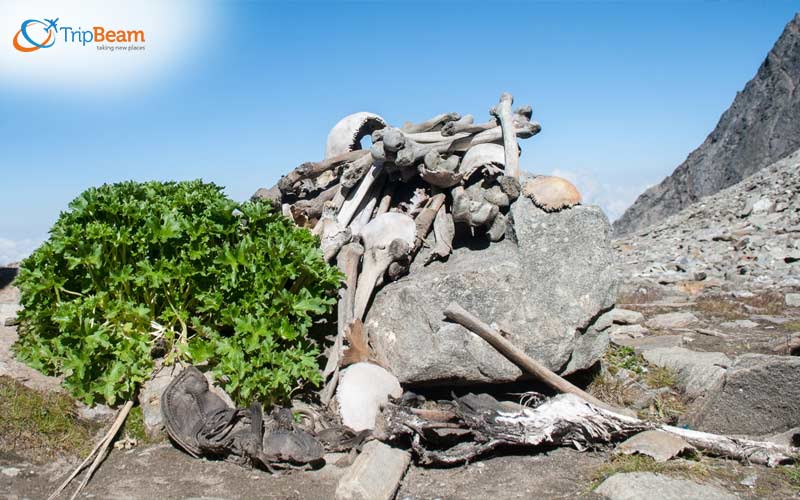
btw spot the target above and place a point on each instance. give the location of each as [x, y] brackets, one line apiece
[177, 269]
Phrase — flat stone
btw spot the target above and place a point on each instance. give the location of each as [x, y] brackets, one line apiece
[10, 471]
[793, 299]
[375, 474]
[759, 394]
[659, 445]
[622, 332]
[739, 323]
[619, 316]
[643, 344]
[640, 485]
[697, 372]
[672, 320]
[546, 289]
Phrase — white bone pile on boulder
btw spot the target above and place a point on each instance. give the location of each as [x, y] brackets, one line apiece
[415, 188]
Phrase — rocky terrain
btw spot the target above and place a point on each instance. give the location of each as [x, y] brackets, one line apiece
[761, 126]
[747, 235]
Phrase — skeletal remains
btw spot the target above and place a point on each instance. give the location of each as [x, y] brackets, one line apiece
[418, 185]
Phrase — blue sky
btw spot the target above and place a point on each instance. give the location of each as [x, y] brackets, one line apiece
[245, 91]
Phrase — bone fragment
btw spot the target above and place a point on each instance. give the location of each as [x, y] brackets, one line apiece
[355, 196]
[444, 231]
[356, 170]
[386, 238]
[386, 199]
[503, 113]
[434, 123]
[424, 220]
[311, 170]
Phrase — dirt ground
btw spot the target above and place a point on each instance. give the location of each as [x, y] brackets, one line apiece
[162, 471]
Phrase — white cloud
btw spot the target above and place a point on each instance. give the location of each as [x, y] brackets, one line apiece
[174, 30]
[16, 250]
[613, 198]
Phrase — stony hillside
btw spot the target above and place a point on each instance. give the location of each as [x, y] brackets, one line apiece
[749, 232]
[761, 126]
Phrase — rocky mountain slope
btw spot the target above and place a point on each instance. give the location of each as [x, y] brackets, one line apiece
[748, 233]
[761, 126]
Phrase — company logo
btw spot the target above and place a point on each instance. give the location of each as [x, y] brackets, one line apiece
[34, 34]
[33, 29]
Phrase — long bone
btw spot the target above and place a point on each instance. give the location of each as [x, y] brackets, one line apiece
[386, 238]
[465, 125]
[355, 196]
[503, 113]
[493, 135]
[434, 123]
[310, 170]
[364, 212]
[444, 232]
[347, 261]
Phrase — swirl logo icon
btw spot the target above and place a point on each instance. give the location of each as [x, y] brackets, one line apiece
[34, 29]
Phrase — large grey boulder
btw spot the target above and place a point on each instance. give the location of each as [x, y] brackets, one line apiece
[639, 485]
[544, 285]
[760, 394]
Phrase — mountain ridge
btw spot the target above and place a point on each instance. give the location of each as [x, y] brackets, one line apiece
[761, 126]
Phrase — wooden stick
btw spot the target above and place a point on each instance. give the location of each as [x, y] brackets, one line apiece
[102, 446]
[455, 312]
[123, 414]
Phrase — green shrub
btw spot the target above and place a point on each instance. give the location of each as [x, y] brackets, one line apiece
[134, 268]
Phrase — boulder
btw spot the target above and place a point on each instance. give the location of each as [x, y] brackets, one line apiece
[637, 485]
[759, 394]
[543, 285]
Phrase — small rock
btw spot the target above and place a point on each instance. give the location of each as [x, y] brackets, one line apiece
[10, 471]
[638, 485]
[739, 323]
[363, 389]
[793, 299]
[643, 344]
[749, 481]
[672, 320]
[375, 474]
[743, 294]
[627, 332]
[659, 445]
[763, 205]
[98, 413]
[618, 317]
